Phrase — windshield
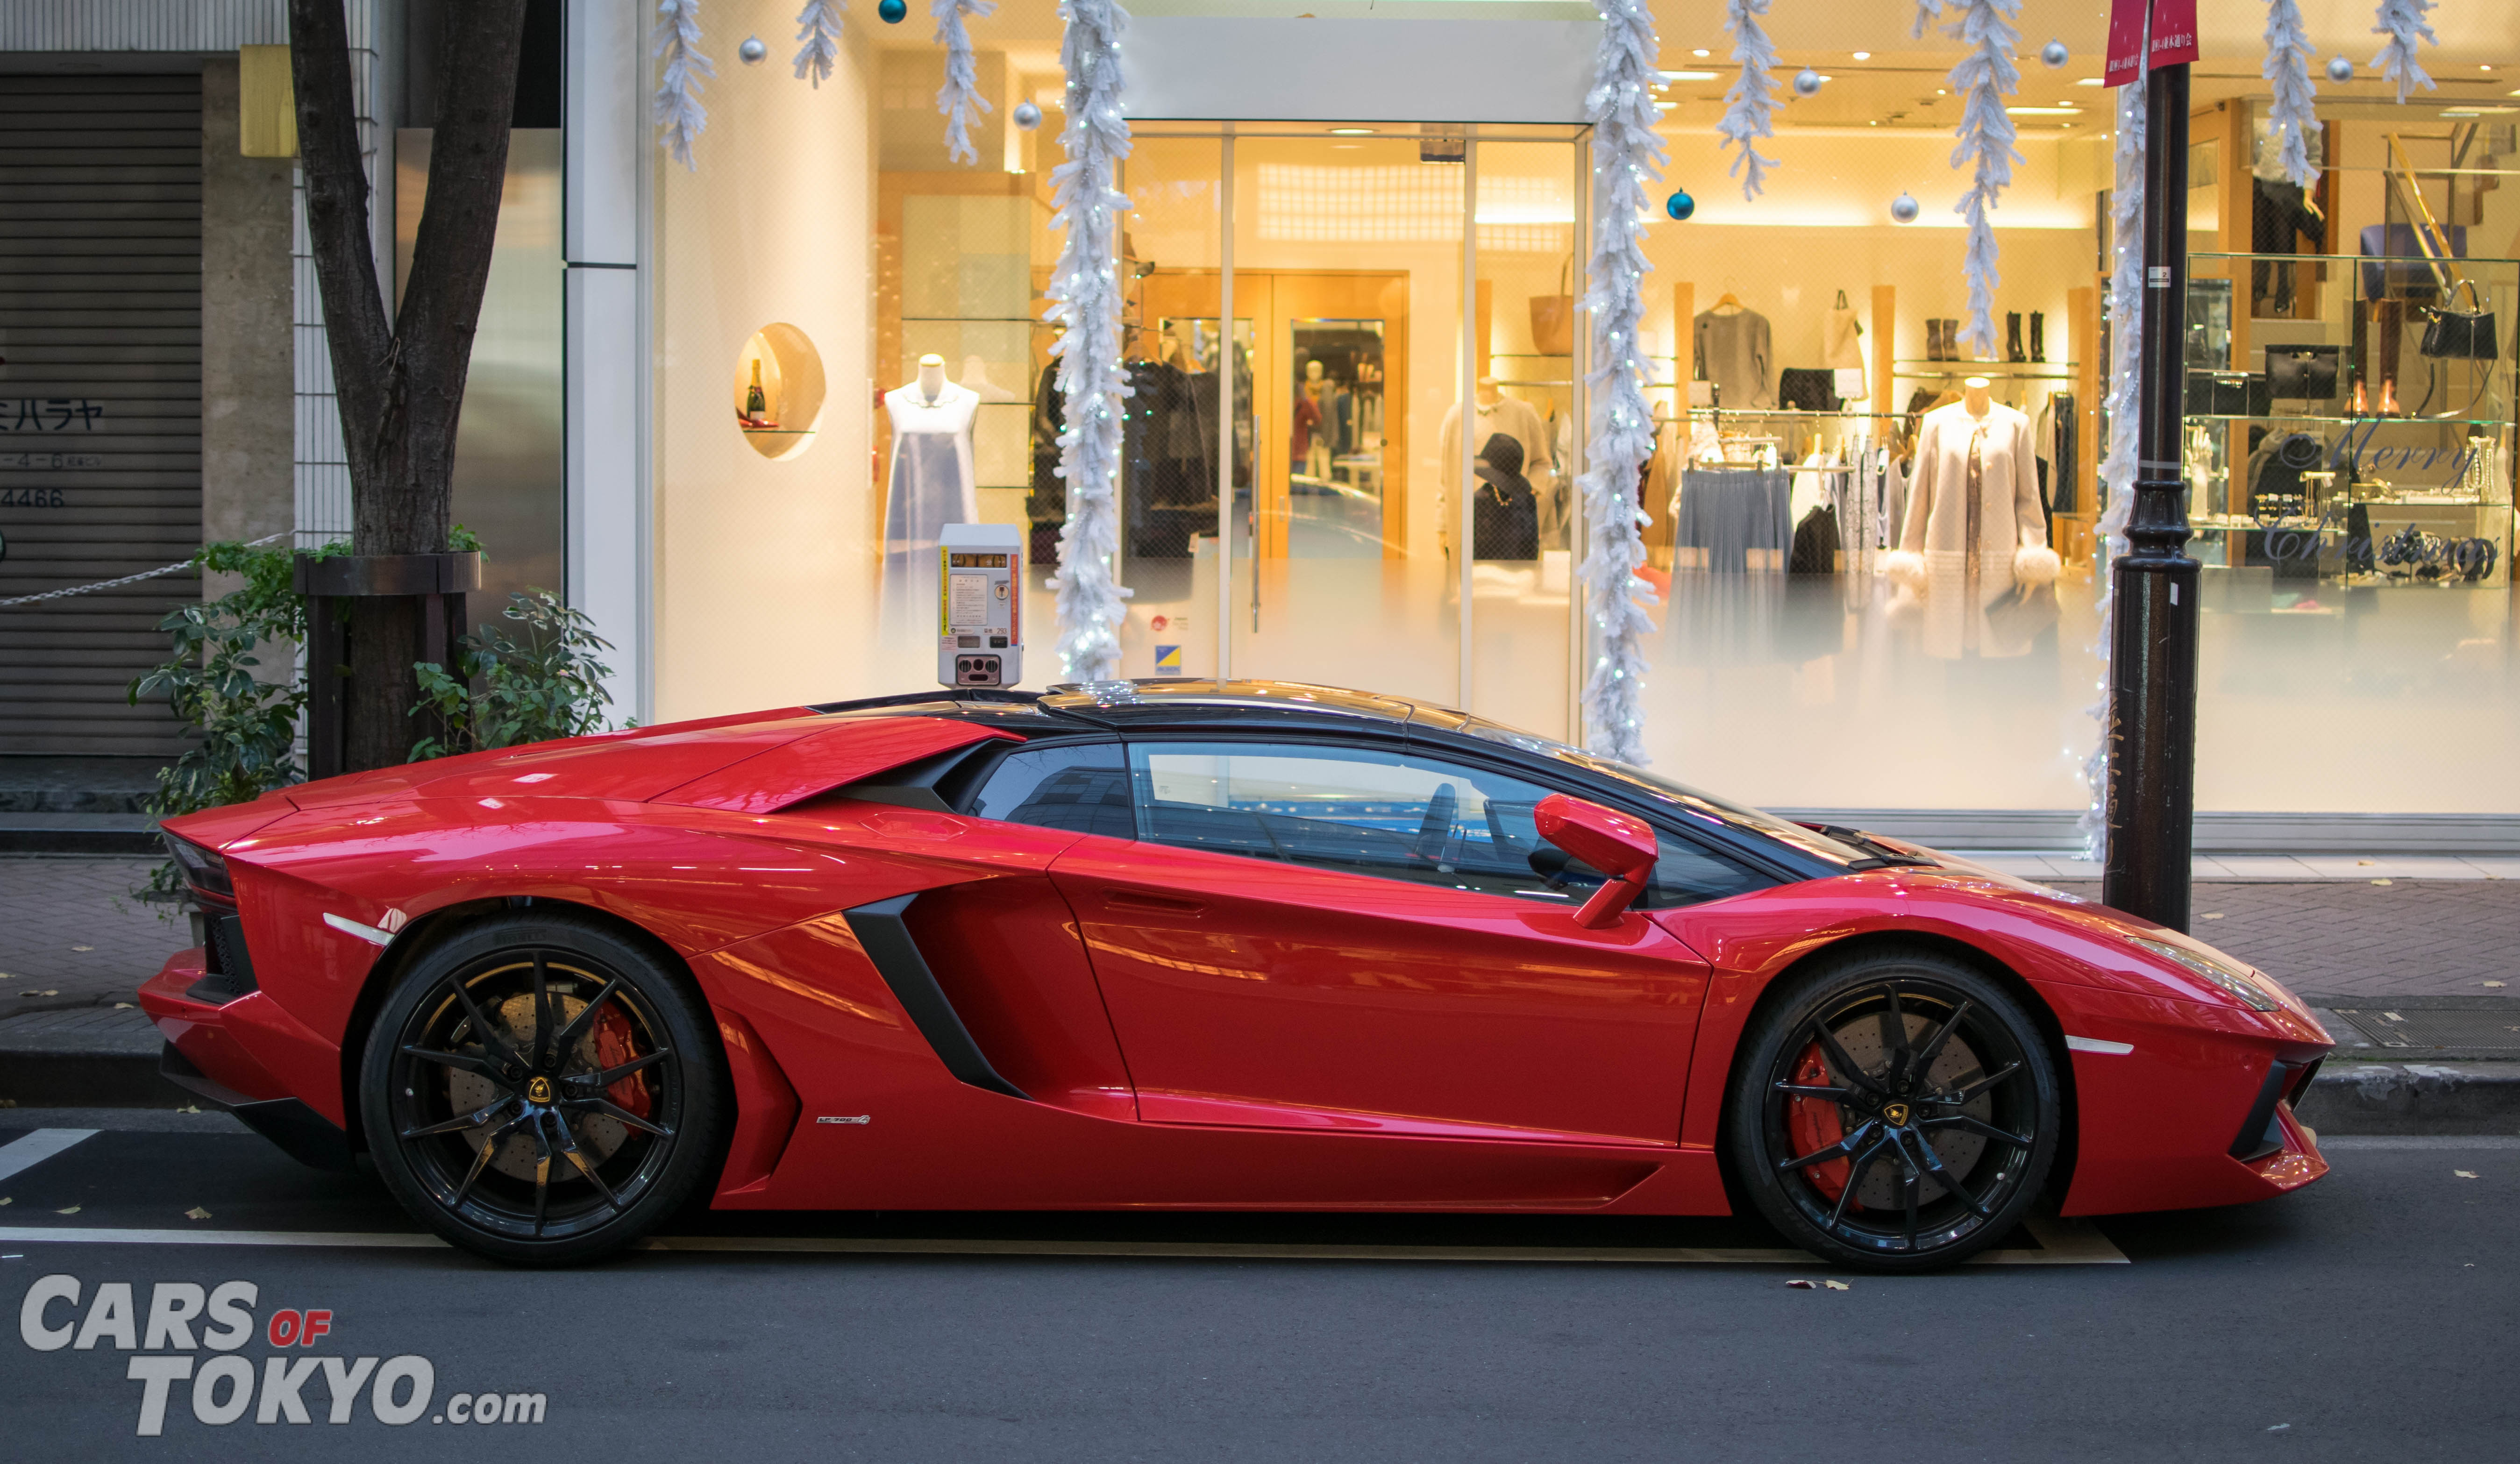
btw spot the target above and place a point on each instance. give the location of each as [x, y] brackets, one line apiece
[1683, 798]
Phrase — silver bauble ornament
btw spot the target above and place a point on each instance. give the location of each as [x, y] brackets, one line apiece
[1904, 209]
[2339, 69]
[2054, 54]
[1027, 117]
[751, 50]
[1807, 82]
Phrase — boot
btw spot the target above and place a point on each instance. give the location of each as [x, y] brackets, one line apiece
[2013, 337]
[2038, 336]
[1952, 341]
[1938, 340]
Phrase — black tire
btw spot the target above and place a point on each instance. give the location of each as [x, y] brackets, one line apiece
[1939, 1127]
[554, 1168]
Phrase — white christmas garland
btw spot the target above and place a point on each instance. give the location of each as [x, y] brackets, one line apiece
[1750, 107]
[817, 25]
[2402, 22]
[2293, 116]
[1981, 80]
[1627, 156]
[1086, 303]
[961, 93]
[2124, 408]
[678, 109]
[1927, 12]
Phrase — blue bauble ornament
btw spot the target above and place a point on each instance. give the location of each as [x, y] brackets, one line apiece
[1903, 208]
[751, 50]
[1680, 205]
[892, 11]
[1027, 117]
[2339, 69]
[1807, 82]
[2054, 54]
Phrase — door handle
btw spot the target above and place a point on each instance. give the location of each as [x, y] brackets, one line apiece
[1135, 900]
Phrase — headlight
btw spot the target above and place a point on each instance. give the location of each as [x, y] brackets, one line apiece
[2212, 965]
[203, 870]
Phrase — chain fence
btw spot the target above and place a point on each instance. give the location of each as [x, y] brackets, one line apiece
[128, 579]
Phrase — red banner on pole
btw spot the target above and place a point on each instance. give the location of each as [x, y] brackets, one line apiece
[2172, 32]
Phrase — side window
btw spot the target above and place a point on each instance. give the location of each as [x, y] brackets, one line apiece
[1084, 789]
[1386, 813]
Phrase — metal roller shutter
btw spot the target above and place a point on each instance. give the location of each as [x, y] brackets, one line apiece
[100, 398]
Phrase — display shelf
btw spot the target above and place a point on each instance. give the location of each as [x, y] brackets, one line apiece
[2366, 419]
[2039, 371]
[778, 431]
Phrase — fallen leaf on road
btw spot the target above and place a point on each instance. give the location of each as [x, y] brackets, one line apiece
[1802, 1286]
[196, 1213]
[3, 1199]
[2361, 862]
[121, 1006]
[74, 1209]
[2277, 1428]
[1837, 1286]
[2464, 1174]
[2216, 915]
[2376, 882]
[2497, 983]
[190, 1108]
[82, 948]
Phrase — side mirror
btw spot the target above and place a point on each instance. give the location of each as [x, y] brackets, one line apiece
[1621, 846]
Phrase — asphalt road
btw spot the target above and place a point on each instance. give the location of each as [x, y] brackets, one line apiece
[2368, 1316]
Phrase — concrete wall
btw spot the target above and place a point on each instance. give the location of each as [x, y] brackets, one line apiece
[248, 429]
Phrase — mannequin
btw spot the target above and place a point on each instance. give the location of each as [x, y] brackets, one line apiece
[932, 482]
[1494, 412]
[1974, 529]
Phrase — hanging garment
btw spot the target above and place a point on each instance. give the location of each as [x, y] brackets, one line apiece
[1843, 342]
[1167, 461]
[1728, 512]
[1816, 543]
[931, 483]
[1973, 526]
[1046, 504]
[1734, 353]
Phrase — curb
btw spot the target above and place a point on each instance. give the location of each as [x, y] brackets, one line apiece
[2414, 1099]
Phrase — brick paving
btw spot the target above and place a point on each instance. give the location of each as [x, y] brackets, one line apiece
[72, 934]
[2357, 938]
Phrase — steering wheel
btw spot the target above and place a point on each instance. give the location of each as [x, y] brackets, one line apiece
[1437, 828]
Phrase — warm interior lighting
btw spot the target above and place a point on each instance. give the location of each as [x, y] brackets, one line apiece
[2089, 81]
[1863, 56]
[2043, 112]
[1701, 54]
[1686, 76]
[1350, 132]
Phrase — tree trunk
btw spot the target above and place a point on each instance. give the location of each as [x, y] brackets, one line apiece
[400, 384]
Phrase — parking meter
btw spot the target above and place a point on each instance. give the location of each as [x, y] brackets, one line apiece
[980, 604]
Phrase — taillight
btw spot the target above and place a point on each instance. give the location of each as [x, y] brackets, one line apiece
[203, 870]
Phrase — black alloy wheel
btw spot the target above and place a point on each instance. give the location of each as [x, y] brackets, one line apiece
[542, 1088]
[1894, 1111]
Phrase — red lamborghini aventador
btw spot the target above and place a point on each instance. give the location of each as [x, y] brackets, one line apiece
[1194, 945]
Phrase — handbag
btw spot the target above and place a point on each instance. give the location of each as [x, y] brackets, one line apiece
[2227, 393]
[1800, 389]
[2455, 335]
[1845, 332]
[2302, 373]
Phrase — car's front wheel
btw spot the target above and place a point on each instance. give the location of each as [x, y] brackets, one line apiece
[1894, 1111]
[542, 1088]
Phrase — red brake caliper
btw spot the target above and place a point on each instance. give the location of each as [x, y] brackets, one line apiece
[613, 1047]
[1814, 1123]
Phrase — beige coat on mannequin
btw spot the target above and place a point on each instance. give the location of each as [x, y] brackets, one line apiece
[1932, 567]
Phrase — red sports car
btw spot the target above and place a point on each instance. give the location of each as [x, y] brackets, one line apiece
[1195, 945]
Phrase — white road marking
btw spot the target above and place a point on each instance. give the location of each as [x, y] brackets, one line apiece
[21, 1155]
[2063, 1242]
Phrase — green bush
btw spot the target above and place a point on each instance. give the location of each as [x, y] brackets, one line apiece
[248, 727]
[542, 683]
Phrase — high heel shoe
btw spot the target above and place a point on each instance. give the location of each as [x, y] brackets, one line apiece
[2012, 351]
[1933, 338]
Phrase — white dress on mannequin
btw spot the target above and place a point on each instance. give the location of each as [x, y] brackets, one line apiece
[1973, 527]
[932, 481]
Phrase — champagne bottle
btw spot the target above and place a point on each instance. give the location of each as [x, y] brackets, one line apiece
[756, 406]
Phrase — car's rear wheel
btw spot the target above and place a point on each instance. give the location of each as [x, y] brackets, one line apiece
[1894, 1111]
[542, 1088]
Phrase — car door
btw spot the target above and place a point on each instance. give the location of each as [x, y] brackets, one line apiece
[1312, 935]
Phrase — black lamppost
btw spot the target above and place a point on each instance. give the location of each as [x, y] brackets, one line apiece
[2153, 654]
